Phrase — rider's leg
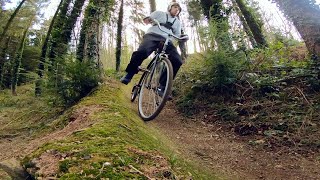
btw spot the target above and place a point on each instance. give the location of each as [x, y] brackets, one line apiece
[176, 62]
[148, 45]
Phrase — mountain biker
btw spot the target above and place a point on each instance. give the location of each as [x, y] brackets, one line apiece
[151, 40]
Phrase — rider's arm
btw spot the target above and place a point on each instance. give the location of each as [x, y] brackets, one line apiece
[153, 15]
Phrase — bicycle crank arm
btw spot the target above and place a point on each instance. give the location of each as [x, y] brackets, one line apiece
[143, 69]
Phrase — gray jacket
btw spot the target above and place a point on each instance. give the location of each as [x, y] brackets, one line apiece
[162, 18]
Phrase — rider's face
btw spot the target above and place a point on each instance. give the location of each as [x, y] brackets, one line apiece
[174, 10]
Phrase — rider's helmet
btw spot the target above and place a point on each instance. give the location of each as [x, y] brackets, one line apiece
[174, 4]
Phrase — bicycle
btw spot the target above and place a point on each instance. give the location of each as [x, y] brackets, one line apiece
[152, 96]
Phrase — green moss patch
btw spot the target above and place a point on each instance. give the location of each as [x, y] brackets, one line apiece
[117, 146]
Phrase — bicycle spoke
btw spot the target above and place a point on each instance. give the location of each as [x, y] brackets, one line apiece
[151, 101]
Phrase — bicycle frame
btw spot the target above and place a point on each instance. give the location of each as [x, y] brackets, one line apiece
[158, 72]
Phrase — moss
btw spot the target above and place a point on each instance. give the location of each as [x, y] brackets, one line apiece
[25, 114]
[118, 145]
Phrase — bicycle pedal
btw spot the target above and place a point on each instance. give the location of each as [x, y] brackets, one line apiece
[143, 69]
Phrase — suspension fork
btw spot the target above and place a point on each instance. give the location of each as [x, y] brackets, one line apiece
[156, 61]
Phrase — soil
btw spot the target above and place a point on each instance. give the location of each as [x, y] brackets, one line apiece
[222, 151]
[14, 149]
[209, 145]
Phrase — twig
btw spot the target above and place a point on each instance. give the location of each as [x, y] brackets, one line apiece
[301, 93]
[126, 127]
[135, 169]
[240, 86]
[249, 84]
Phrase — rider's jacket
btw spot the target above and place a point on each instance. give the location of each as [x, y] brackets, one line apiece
[168, 23]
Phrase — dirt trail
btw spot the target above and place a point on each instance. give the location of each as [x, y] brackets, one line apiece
[206, 144]
[224, 153]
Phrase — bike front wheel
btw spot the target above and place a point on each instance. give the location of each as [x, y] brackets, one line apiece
[134, 92]
[155, 89]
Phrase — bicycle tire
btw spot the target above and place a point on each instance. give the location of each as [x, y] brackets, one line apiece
[136, 88]
[150, 86]
[134, 92]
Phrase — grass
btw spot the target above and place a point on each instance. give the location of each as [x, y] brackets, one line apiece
[118, 145]
[25, 114]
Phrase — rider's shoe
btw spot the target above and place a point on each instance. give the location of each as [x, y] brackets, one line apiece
[126, 78]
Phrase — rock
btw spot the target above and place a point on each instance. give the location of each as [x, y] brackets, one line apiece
[87, 157]
[13, 169]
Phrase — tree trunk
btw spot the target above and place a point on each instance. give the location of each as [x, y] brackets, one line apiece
[90, 37]
[57, 28]
[5, 29]
[244, 24]
[305, 16]
[17, 61]
[206, 5]
[215, 12]
[62, 39]
[44, 53]
[3, 60]
[92, 45]
[71, 21]
[254, 24]
[119, 37]
[153, 5]
[197, 35]
[82, 41]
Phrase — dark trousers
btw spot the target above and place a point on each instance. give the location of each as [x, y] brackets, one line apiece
[149, 44]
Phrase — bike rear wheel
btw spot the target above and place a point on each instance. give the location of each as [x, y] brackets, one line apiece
[151, 97]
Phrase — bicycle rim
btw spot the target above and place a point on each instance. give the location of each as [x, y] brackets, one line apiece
[150, 103]
[134, 92]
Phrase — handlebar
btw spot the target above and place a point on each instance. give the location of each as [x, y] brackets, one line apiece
[183, 38]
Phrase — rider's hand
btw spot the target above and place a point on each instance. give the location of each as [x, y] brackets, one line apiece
[185, 38]
[147, 20]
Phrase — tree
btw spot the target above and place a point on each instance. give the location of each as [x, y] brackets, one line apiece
[244, 24]
[44, 50]
[305, 16]
[71, 21]
[56, 32]
[253, 22]
[12, 52]
[6, 27]
[195, 12]
[2, 4]
[2, 60]
[153, 5]
[17, 60]
[218, 17]
[119, 37]
[137, 15]
[90, 34]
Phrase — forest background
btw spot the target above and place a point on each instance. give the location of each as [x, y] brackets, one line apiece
[251, 65]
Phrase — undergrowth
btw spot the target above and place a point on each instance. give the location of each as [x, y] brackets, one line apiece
[117, 146]
[271, 94]
[26, 114]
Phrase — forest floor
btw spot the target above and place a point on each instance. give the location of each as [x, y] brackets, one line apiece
[211, 146]
[221, 150]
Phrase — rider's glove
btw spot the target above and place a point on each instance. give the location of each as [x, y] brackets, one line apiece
[185, 38]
